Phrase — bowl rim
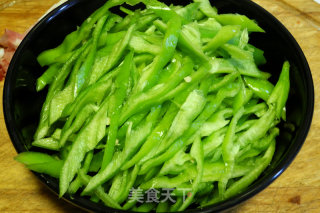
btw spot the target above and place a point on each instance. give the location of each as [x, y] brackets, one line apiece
[227, 204]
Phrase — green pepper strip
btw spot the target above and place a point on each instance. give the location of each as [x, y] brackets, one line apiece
[206, 8]
[92, 94]
[152, 38]
[195, 77]
[212, 172]
[187, 187]
[83, 108]
[63, 58]
[131, 180]
[96, 162]
[265, 142]
[257, 54]
[215, 101]
[116, 102]
[164, 125]
[40, 162]
[154, 138]
[207, 112]
[226, 80]
[253, 175]
[197, 153]
[67, 95]
[84, 72]
[118, 186]
[77, 123]
[142, 20]
[259, 129]
[176, 164]
[256, 108]
[241, 20]
[145, 207]
[245, 181]
[229, 151]
[99, 192]
[177, 102]
[188, 13]
[85, 141]
[48, 76]
[230, 90]
[59, 102]
[190, 109]
[54, 88]
[151, 173]
[56, 134]
[225, 34]
[216, 122]
[160, 9]
[242, 97]
[74, 39]
[130, 203]
[76, 184]
[126, 10]
[140, 61]
[177, 205]
[156, 95]
[52, 168]
[47, 143]
[134, 120]
[149, 77]
[110, 61]
[139, 45]
[28, 158]
[132, 143]
[165, 92]
[168, 71]
[238, 53]
[213, 141]
[261, 87]
[172, 150]
[280, 92]
[108, 39]
[184, 43]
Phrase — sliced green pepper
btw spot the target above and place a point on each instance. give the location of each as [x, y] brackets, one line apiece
[236, 19]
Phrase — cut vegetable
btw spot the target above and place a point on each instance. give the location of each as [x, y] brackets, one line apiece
[167, 97]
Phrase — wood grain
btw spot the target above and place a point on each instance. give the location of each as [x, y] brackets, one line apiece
[296, 190]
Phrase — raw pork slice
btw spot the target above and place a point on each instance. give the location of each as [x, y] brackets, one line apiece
[9, 42]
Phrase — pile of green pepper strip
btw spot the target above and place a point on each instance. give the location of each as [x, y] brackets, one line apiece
[166, 97]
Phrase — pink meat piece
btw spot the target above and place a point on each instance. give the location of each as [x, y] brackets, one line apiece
[9, 42]
[11, 39]
[5, 61]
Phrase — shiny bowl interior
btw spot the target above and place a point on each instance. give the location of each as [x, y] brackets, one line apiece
[22, 104]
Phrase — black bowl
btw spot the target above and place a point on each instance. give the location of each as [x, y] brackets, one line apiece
[22, 103]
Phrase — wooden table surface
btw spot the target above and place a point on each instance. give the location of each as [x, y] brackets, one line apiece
[296, 190]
